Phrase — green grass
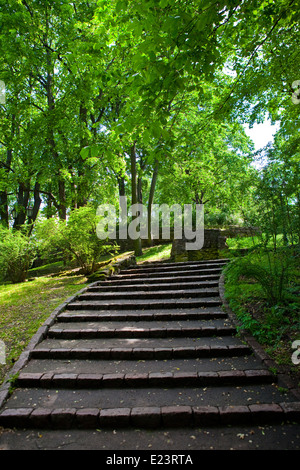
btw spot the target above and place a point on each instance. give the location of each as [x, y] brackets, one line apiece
[25, 306]
[243, 242]
[155, 253]
[254, 242]
[274, 325]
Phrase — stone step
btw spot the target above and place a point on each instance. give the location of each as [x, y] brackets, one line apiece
[157, 280]
[169, 267]
[150, 417]
[115, 396]
[150, 294]
[111, 366]
[125, 342]
[195, 270]
[152, 379]
[139, 353]
[142, 304]
[133, 352]
[178, 263]
[71, 315]
[106, 287]
[140, 324]
[131, 331]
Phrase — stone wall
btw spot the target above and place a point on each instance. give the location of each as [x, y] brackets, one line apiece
[233, 231]
[214, 242]
[114, 266]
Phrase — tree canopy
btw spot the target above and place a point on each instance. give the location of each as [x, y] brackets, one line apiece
[145, 99]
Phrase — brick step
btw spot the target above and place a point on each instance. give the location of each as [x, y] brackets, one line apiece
[138, 332]
[126, 342]
[133, 325]
[115, 396]
[151, 294]
[142, 304]
[150, 417]
[105, 287]
[123, 366]
[157, 280]
[195, 270]
[141, 315]
[179, 263]
[135, 353]
[165, 267]
[154, 379]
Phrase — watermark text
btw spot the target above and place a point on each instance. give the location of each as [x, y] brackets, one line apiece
[2, 92]
[2, 353]
[185, 223]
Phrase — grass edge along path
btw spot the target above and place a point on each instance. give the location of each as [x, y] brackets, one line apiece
[24, 307]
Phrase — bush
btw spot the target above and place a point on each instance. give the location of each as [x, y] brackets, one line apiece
[76, 239]
[17, 252]
[49, 239]
[271, 270]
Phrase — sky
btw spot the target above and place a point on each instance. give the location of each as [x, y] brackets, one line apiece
[261, 134]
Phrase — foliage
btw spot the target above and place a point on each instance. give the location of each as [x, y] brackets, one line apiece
[271, 270]
[76, 239]
[277, 192]
[89, 82]
[17, 252]
[25, 306]
[274, 325]
[156, 253]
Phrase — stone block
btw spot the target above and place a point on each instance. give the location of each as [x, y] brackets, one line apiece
[177, 416]
[206, 415]
[115, 417]
[234, 414]
[40, 417]
[146, 417]
[87, 418]
[266, 412]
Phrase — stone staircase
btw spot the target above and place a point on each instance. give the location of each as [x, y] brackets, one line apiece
[150, 347]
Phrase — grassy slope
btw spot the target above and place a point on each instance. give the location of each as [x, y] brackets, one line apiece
[24, 307]
[274, 326]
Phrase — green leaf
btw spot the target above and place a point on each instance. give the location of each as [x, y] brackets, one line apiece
[84, 153]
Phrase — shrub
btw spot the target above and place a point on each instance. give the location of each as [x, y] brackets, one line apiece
[76, 239]
[48, 234]
[271, 270]
[17, 252]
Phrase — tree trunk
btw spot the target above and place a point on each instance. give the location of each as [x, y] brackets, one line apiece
[150, 201]
[4, 215]
[134, 198]
[22, 203]
[62, 212]
[139, 190]
[121, 183]
[82, 184]
[37, 201]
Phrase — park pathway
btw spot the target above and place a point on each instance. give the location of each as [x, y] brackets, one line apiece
[150, 348]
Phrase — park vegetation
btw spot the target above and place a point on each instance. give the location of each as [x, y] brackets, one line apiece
[150, 99]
